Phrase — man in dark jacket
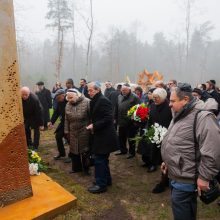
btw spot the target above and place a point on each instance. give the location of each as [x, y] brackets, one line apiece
[33, 116]
[70, 84]
[210, 87]
[109, 89]
[104, 137]
[83, 88]
[59, 112]
[114, 97]
[126, 129]
[45, 98]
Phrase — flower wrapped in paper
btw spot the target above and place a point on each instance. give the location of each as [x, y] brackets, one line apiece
[35, 163]
[139, 113]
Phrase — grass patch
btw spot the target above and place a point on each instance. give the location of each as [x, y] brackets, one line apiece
[128, 198]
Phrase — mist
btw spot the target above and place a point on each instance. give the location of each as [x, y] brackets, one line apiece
[191, 53]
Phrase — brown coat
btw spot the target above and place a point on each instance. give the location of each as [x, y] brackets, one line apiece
[76, 120]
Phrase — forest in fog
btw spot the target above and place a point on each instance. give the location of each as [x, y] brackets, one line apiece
[191, 55]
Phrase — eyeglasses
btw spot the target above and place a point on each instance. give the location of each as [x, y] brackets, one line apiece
[156, 97]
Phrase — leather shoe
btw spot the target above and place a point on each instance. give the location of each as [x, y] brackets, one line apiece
[97, 189]
[151, 169]
[75, 171]
[58, 157]
[130, 156]
[159, 188]
[67, 160]
[144, 165]
[120, 153]
[108, 184]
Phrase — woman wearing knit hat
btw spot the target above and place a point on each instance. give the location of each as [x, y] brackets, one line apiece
[76, 120]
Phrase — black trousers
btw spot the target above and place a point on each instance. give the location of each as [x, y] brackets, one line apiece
[46, 115]
[102, 170]
[35, 142]
[125, 133]
[155, 155]
[79, 162]
[59, 135]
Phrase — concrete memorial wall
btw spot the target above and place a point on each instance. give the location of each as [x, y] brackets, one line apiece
[15, 181]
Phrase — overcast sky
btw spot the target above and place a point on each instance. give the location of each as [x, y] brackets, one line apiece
[151, 16]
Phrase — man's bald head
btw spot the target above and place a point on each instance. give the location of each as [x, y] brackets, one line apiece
[25, 93]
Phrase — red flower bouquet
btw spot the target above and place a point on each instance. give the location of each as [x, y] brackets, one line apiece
[139, 113]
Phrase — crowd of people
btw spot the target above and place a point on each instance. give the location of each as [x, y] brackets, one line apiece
[95, 125]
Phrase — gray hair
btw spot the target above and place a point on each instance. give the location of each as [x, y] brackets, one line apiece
[182, 94]
[162, 93]
[126, 85]
[96, 85]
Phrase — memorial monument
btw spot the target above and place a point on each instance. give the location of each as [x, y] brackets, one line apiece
[21, 197]
[15, 181]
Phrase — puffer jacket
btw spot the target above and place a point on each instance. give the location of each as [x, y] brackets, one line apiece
[76, 120]
[178, 147]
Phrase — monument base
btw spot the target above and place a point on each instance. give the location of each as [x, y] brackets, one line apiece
[49, 200]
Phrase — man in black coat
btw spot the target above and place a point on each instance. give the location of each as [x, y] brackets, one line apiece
[59, 112]
[104, 137]
[109, 89]
[45, 98]
[126, 128]
[33, 116]
[114, 97]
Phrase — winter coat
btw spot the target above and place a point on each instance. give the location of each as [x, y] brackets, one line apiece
[59, 112]
[114, 99]
[178, 147]
[104, 135]
[211, 105]
[122, 107]
[108, 92]
[160, 114]
[32, 111]
[45, 98]
[84, 91]
[216, 96]
[46, 101]
[76, 121]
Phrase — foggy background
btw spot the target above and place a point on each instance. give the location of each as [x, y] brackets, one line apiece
[110, 40]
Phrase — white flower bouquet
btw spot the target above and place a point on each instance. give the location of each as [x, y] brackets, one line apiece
[33, 169]
[35, 163]
[155, 134]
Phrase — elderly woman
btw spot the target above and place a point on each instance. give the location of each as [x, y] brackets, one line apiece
[76, 121]
[160, 113]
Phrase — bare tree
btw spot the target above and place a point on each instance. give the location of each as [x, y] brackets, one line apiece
[60, 18]
[90, 25]
[188, 7]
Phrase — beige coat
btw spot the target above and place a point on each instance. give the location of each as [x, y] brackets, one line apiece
[76, 120]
